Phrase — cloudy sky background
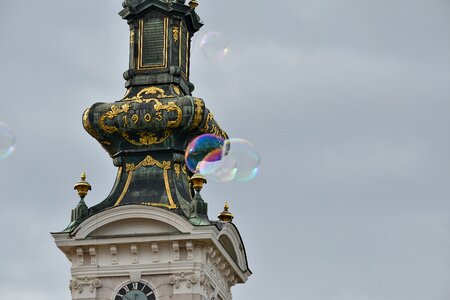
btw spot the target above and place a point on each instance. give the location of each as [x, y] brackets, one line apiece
[348, 103]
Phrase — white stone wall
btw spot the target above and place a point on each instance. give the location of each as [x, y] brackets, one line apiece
[177, 264]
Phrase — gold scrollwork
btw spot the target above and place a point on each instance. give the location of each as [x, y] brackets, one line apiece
[205, 127]
[148, 162]
[158, 107]
[146, 139]
[176, 32]
[170, 106]
[149, 91]
[177, 169]
[214, 129]
[198, 113]
[114, 112]
[88, 126]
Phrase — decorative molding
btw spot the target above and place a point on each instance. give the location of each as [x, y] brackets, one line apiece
[190, 250]
[177, 168]
[127, 212]
[221, 270]
[176, 250]
[175, 32]
[206, 284]
[227, 272]
[93, 254]
[222, 266]
[78, 284]
[155, 251]
[134, 254]
[80, 255]
[189, 280]
[114, 252]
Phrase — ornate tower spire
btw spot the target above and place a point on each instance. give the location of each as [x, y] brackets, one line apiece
[146, 132]
[151, 238]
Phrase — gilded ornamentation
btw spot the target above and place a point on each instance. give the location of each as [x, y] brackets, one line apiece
[176, 90]
[144, 138]
[176, 32]
[205, 127]
[148, 162]
[198, 113]
[132, 37]
[177, 169]
[158, 93]
[158, 205]
[149, 91]
[214, 129]
[114, 112]
[170, 106]
[88, 126]
[147, 139]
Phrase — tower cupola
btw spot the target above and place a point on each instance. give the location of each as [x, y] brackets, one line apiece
[151, 237]
[147, 131]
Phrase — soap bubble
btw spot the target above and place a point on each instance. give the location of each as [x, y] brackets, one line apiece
[218, 170]
[222, 160]
[7, 141]
[245, 158]
[201, 149]
[214, 45]
[239, 162]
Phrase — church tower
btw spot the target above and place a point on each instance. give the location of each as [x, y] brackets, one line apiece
[151, 237]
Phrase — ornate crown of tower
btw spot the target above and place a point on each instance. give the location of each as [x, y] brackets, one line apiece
[151, 237]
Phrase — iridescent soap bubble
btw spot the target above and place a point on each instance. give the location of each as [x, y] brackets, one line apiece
[200, 149]
[218, 170]
[238, 161]
[7, 141]
[214, 45]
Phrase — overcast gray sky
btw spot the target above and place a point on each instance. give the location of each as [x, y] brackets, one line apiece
[346, 101]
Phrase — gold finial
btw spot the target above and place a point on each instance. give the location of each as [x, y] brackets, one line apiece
[197, 182]
[193, 4]
[226, 216]
[82, 186]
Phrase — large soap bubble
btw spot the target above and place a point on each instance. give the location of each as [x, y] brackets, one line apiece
[214, 45]
[201, 148]
[7, 141]
[223, 160]
[239, 162]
